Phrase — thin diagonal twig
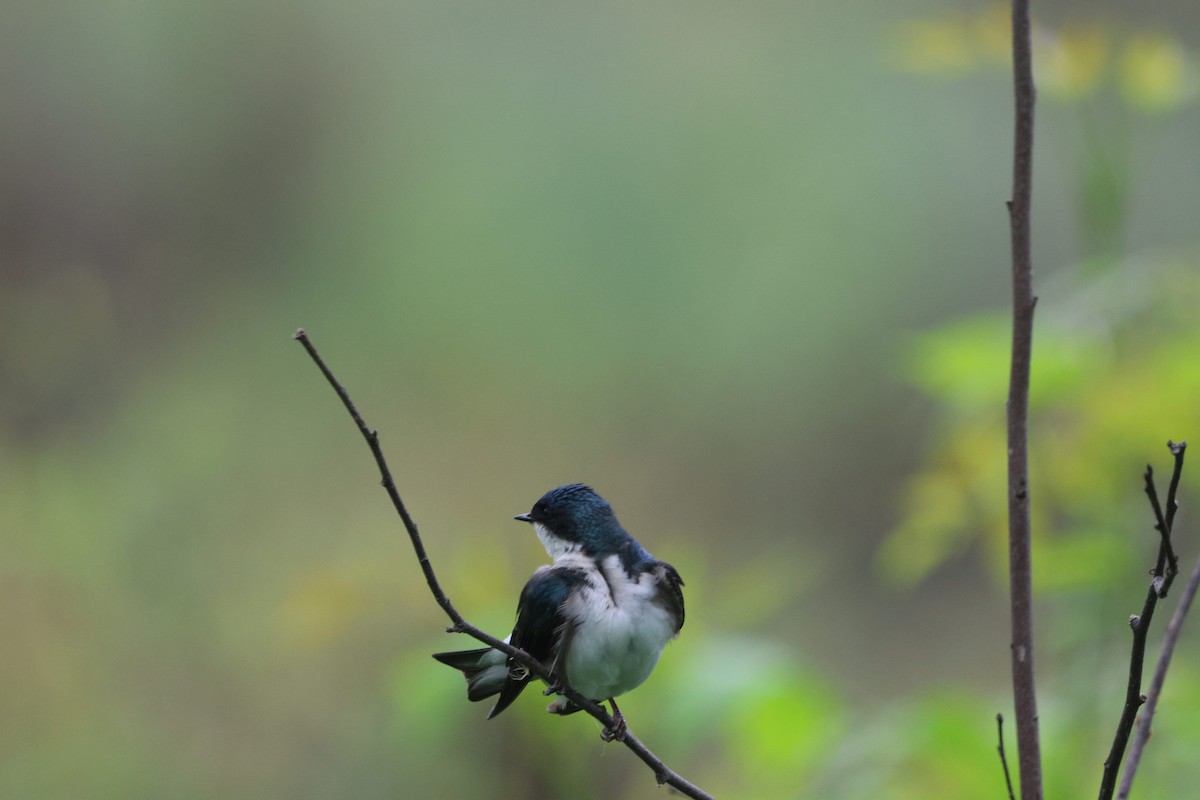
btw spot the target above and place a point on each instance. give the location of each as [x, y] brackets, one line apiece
[1167, 566]
[1178, 449]
[662, 773]
[1170, 638]
[1133, 691]
[1003, 758]
[1163, 574]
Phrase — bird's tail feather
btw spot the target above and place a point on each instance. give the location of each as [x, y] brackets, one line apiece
[485, 669]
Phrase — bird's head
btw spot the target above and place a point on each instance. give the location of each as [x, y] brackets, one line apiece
[574, 518]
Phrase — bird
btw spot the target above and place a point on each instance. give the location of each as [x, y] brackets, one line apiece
[599, 616]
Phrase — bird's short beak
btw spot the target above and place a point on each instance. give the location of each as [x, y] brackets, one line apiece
[524, 517]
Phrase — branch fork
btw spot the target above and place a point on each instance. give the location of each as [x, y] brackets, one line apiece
[1163, 574]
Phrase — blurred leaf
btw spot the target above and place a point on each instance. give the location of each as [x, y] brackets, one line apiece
[965, 364]
[1104, 198]
[430, 697]
[940, 47]
[1081, 559]
[1156, 74]
[775, 718]
[1072, 64]
[941, 744]
[936, 507]
[1114, 376]
[783, 727]
[955, 43]
[992, 33]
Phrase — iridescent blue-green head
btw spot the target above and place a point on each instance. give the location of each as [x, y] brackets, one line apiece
[573, 519]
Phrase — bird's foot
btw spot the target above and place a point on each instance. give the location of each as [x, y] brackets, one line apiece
[618, 730]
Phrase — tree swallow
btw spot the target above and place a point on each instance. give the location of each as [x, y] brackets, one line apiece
[598, 617]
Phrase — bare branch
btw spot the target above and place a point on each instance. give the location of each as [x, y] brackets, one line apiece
[1159, 584]
[662, 773]
[1020, 561]
[1170, 638]
[1133, 690]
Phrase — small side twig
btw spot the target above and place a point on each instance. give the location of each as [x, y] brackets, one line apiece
[1167, 566]
[1163, 574]
[1003, 758]
[1178, 449]
[1170, 639]
[662, 773]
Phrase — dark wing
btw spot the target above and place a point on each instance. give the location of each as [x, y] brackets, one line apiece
[670, 591]
[540, 623]
[638, 561]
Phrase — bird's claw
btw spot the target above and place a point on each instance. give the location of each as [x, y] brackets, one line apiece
[618, 730]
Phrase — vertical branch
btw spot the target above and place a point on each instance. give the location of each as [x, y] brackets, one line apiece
[1020, 562]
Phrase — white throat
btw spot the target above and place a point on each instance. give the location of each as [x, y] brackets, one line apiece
[556, 547]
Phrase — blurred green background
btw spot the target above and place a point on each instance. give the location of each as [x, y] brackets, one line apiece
[742, 267]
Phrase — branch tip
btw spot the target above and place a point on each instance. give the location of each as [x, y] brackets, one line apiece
[1163, 574]
[1151, 697]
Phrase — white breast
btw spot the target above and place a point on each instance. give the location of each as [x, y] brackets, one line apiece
[619, 632]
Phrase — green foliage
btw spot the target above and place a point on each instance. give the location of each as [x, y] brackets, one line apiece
[1151, 71]
[1115, 376]
[1113, 379]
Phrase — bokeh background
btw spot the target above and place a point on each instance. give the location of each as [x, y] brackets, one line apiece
[741, 266]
